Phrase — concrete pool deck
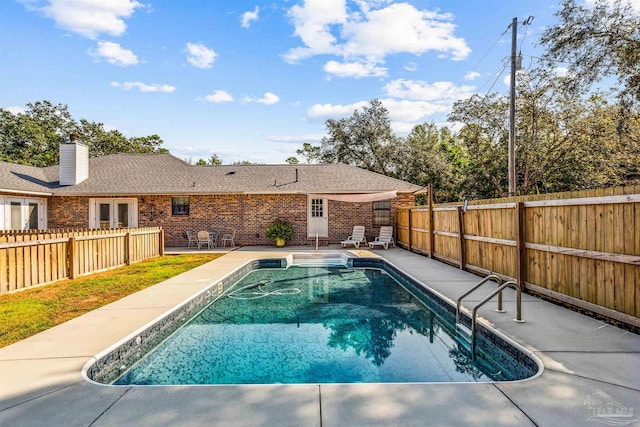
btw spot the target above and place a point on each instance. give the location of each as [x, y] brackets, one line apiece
[588, 363]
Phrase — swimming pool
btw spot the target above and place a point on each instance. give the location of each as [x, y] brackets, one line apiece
[366, 323]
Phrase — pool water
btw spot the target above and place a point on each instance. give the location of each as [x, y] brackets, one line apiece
[319, 325]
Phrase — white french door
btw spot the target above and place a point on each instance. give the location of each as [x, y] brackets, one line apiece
[20, 213]
[113, 213]
[317, 218]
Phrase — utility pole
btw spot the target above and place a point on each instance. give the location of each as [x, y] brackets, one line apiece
[515, 66]
[512, 111]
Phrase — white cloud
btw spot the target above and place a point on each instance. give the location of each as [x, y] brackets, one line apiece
[88, 18]
[411, 66]
[296, 139]
[404, 114]
[268, 99]
[561, 71]
[144, 87]
[113, 53]
[354, 69]
[423, 91]
[312, 23]
[219, 96]
[323, 111]
[371, 31]
[16, 110]
[200, 56]
[249, 17]
[471, 75]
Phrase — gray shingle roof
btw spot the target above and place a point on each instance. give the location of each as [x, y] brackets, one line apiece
[27, 179]
[121, 174]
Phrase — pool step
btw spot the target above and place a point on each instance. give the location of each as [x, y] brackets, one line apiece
[465, 331]
[317, 260]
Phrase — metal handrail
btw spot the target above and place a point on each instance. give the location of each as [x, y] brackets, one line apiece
[474, 312]
[476, 286]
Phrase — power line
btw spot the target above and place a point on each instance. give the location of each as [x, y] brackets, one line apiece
[457, 86]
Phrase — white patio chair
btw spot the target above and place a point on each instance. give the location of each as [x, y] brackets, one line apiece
[192, 238]
[204, 239]
[228, 237]
[356, 238]
[385, 238]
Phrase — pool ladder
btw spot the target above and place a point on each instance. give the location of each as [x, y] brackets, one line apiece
[471, 332]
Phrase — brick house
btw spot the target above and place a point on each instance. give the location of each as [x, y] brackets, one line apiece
[140, 190]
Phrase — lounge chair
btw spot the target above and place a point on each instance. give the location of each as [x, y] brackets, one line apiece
[204, 239]
[228, 237]
[193, 239]
[356, 238]
[385, 238]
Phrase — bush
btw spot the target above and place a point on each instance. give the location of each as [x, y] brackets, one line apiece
[279, 229]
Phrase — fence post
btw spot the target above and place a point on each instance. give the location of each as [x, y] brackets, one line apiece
[161, 242]
[127, 248]
[463, 255]
[71, 256]
[432, 240]
[520, 249]
[409, 224]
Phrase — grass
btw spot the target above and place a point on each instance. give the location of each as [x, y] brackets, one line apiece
[26, 313]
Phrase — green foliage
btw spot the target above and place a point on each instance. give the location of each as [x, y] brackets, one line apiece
[292, 160]
[310, 153]
[213, 161]
[599, 40]
[33, 137]
[279, 230]
[365, 140]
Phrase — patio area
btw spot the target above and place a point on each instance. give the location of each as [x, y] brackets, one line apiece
[588, 364]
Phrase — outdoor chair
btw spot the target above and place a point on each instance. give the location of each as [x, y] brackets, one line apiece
[385, 238]
[204, 239]
[356, 238]
[213, 236]
[228, 237]
[192, 238]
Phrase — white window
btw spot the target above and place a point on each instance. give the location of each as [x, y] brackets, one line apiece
[113, 213]
[22, 213]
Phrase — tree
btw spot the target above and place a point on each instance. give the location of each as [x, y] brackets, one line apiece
[33, 137]
[599, 41]
[311, 153]
[244, 162]
[213, 161]
[484, 136]
[292, 160]
[365, 140]
[427, 157]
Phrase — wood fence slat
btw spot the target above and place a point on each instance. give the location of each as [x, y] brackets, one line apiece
[19, 264]
[4, 277]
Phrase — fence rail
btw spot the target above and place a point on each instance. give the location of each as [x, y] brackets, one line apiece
[581, 248]
[35, 257]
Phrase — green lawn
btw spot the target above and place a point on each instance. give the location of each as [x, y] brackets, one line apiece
[26, 313]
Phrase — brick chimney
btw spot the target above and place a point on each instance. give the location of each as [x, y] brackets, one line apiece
[74, 161]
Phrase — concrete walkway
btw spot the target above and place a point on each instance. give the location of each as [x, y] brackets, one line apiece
[586, 362]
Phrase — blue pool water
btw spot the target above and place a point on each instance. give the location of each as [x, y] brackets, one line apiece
[321, 325]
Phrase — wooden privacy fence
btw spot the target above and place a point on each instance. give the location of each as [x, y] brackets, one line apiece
[581, 248]
[35, 257]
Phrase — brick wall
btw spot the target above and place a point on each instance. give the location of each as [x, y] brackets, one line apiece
[68, 212]
[249, 214]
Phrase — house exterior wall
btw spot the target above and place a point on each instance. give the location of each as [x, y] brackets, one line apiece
[249, 214]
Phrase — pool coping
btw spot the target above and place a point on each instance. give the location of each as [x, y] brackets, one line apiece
[584, 358]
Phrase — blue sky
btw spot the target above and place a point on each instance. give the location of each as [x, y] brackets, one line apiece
[253, 80]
